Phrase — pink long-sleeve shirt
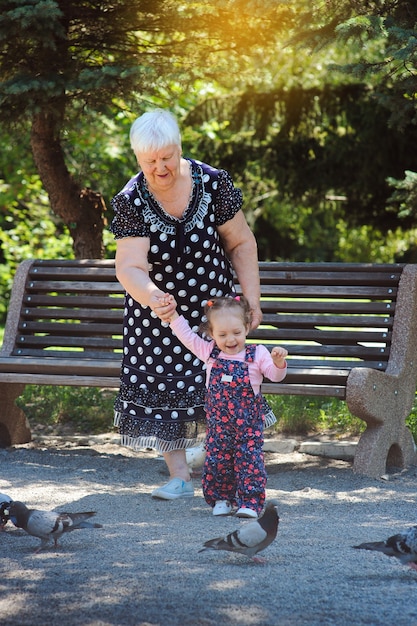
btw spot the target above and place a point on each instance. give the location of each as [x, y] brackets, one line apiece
[262, 365]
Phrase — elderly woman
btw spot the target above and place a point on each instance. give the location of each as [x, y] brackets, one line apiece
[179, 229]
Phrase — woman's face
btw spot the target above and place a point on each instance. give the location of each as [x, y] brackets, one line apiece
[161, 167]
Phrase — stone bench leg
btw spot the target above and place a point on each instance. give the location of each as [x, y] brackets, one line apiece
[14, 426]
[383, 402]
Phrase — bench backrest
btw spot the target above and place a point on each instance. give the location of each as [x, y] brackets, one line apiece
[330, 316]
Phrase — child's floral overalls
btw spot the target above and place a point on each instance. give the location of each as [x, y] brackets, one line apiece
[234, 468]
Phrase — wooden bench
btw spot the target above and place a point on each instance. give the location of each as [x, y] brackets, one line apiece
[351, 332]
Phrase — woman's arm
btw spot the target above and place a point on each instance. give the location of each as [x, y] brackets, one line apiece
[132, 270]
[240, 245]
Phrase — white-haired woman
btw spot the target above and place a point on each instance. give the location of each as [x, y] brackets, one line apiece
[179, 229]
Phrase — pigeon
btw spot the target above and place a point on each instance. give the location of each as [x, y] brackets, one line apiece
[403, 546]
[195, 456]
[48, 525]
[4, 502]
[252, 537]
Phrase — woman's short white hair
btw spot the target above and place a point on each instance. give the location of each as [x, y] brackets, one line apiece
[154, 130]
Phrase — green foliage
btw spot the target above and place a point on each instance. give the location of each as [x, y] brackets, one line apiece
[90, 410]
[301, 415]
[84, 409]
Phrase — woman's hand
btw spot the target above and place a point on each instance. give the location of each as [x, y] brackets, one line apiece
[165, 307]
[256, 318]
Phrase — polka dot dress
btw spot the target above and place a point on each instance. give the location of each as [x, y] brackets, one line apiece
[161, 398]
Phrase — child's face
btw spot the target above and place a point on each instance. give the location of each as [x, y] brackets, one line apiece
[228, 331]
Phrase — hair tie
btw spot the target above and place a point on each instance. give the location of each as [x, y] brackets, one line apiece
[210, 302]
[237, 298]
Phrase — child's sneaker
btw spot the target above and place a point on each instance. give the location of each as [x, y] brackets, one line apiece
[248, 513]
[222, 507]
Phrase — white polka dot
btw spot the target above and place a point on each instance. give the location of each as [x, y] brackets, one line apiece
[134, 379]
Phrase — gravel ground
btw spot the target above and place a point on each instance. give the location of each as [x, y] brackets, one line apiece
[143, 568]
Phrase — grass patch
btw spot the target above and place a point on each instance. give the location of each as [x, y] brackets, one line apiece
[300, 415]
[90, 410]
[78, 409]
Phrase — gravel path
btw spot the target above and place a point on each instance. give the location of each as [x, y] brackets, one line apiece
[143, 567]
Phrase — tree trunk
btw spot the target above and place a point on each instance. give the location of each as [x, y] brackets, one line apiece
[81, 209]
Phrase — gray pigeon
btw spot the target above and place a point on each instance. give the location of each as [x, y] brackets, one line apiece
[403, 546]
[252, 537]
[48, 525]
[4, 502]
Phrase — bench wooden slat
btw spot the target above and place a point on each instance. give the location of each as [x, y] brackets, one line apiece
[71, 353]
[384, 308]
[67, 342]
[75, 301]
[71, 367]
[342, 321]
[335, 279]
[109, 315]
[101, 328]
[321, 336]
[74, 286]
[305, 389]
[332, 292]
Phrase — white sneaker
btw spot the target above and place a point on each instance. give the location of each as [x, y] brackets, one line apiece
[222, 507]
[244, 512]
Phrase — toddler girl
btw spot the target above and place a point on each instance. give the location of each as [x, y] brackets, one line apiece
[234, 474]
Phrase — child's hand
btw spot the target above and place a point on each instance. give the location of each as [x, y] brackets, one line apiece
[167, 308]
[278, 355]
